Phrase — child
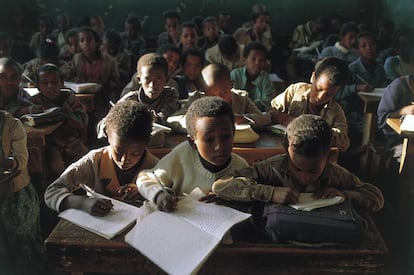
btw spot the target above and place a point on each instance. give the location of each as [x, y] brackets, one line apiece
[97, 24]
[304, 168]
[152, 73]
[192, 63]
[131, 37]
[343, 49]
[171, 24]
[198, 162]
[366, 75]
[13, 99]
[257, 32]
[210, 33]
[91, 66]
[316, 98]
[71, 47]
[64, 145]
[252, 78]
[63, 23]
[227, 52]
[45, 30]
[188, 36]
[110, 170]
[224, 22]
[21, 242]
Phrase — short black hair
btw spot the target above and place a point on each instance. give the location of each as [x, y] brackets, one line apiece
[209, 106]
[70, 33]
[335, 69]
[194, 52]
[309, 136]
[364, 34]
[171, 14]
[134, 21]
[216, 72]
[168, 48]
[188, 24]
[209, 19]
[114, 38]
[10, 63]
[227, 44]
[48, 67]
[253, 16]
[154, 60]
[348, 27]
[257, 46]
[130, 119]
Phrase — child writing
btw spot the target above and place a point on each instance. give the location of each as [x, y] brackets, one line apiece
[64, 145]
[304, 168]
[198, 162]
[21, 242]
[110, 170]
[316, 98]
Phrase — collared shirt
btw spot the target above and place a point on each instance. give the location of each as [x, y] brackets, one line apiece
[258, 183]
[347, 55]
[214, 55]
[294, 102]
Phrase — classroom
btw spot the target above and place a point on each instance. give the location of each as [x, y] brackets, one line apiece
[244, 137]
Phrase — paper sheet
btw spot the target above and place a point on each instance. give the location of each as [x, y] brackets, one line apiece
[308, 203]
[407, 123]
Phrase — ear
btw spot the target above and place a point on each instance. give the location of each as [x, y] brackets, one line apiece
[312, 78]
[191, 141]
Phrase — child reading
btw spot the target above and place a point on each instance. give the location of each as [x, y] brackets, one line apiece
[317, 98]
[110, 170]
[64, 145]
[21, 242]
[304, 168]
[198, 162]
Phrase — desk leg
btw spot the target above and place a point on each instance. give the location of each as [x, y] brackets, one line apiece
[367, 133]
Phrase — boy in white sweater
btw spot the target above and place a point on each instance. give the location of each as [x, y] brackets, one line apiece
[205, 157]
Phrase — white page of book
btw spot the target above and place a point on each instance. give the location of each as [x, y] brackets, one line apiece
[108, 226]
[408, 123]
[307, 202]
[180, 242]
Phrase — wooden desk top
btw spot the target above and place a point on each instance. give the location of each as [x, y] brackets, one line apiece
[71, 248]
[395, 124]
[371, 102]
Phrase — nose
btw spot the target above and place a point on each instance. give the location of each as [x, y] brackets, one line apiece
[124, 158]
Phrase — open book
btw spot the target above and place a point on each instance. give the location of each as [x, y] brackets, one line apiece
[120, 218]
[308, 203]
[408, 123]
[180, 242]
[83, 88]
[245, 134]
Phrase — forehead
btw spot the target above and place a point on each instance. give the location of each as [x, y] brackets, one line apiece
[171, 20]
[151, 69]
[205, 125]
[210, 24]
[193, 59]
[171, 55]
[49, 74]
[323, 82]
[116, 141]
[188, 29]
[85, 34]
[305, 163]
[366, 39]
[256, 54]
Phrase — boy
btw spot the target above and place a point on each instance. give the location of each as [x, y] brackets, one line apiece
[188, 36]
[131, 37]
[317, 98]
[227, 52]
[210, 33]
[171, 24]
[198, 162]
[258, 31]
[343, 49]
[366, 75]
[152, 73]
[110, 170]
[64, 145]
[304, 168]
[252, 78]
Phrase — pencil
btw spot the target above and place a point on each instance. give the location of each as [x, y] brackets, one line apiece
[249, 119]
[283, 180]
[166, 193]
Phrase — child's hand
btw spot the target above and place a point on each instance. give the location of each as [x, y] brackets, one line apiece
[97, 207]
[210, 197]
[364, 88]
[328, 192]
[285, 195]
[166, 203]
[128, 192]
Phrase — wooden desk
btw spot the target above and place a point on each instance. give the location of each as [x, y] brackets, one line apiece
[87, 100]
[407, 155]
[71, 248]
[369, 128]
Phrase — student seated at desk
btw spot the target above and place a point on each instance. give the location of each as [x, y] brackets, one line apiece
[396, 102]
[198, 162]
[110, 170]
[21, 242]
[12, 98]
[317, 98]
[64, 145]
[303, 169]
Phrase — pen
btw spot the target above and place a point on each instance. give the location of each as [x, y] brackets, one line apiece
[89, 191]
[282, 179]
[166, 193]
[249, 119]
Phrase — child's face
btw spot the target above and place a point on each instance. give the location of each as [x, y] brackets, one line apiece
[192, 67]
[224, 22]
[210, 29]
[125, 152]
[260, 24]
[322, 91]
[130, 30]
[173, 60]
[108, 47]
[306, 170]
[49, 84]
[188, 37]
[171, 25]
[9, 81]
[44, 26]
[348, 40]
[214, 139]
[367, 49]
[221, 88]
[254, 62]
[152, 80]
[63, 23]
[87, 43]
[73, 44]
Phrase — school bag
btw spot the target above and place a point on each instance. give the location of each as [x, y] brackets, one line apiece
[49, 116]
[336, 224]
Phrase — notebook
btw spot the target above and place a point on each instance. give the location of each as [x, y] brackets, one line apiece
[408, 123]
[245, 134]
[308, 203]
[83, 88]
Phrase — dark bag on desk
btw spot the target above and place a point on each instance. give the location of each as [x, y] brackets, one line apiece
[338, 223]
[48, 116]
